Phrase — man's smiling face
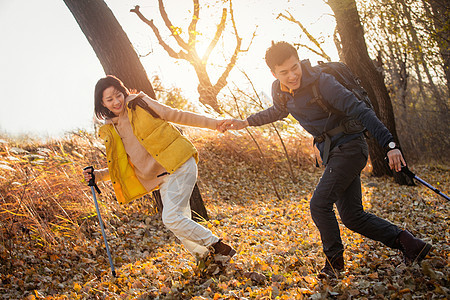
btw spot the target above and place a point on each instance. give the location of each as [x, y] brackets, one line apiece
[289, 73]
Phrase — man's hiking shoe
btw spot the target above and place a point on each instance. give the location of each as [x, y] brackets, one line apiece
[414, 249]
[222, 252]
[333, 267]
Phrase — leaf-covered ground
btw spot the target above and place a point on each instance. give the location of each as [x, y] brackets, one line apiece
[51, 245]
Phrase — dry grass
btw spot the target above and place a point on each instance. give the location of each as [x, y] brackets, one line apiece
[41, 187]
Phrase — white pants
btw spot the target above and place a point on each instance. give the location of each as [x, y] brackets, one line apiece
[176, 191]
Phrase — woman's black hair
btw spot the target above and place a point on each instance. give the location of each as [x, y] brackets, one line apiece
[278, 53]
[100, 111]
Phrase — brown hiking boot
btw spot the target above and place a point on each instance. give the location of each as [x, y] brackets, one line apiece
[333, 266]
[413, 249]
[222, 252]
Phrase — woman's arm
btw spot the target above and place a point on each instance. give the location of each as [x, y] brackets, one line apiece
[100, 175]
[181, 117]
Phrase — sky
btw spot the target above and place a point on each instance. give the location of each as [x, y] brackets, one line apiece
[48, 69]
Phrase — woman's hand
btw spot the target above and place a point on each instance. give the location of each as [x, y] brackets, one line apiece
[220, 126]
[88, 175]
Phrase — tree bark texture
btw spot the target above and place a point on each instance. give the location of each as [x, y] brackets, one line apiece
[110, 43]
[355, 55]
[118, 57]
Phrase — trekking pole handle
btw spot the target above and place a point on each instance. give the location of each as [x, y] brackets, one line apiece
[408, 172]
[90, 170]
[91, 182]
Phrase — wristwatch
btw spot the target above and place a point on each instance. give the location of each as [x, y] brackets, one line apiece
[391, 146]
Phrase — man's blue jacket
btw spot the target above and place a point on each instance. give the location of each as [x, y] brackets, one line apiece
[313, 118]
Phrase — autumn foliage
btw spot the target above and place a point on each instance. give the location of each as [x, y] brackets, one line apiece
[51, 245]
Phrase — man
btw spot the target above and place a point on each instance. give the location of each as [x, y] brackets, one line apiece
[345, 155]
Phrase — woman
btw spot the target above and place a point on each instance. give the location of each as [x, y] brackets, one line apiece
[145, 152]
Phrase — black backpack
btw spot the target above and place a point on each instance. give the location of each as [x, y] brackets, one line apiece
[344, 76]
[351, 82]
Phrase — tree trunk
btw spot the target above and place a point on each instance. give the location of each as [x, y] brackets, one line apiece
[117, 56]
[440, 17]
[354, 51]
[416, 46]
[198, 209]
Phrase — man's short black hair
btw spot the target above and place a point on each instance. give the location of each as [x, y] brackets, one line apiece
[278, 53]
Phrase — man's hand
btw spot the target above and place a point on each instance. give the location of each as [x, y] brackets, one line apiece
[220, 126]
[235, 124]
[396, 160]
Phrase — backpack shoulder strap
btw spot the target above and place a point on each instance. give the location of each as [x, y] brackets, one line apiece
[317, 97]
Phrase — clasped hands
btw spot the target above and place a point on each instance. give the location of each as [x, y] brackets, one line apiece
[231, 124]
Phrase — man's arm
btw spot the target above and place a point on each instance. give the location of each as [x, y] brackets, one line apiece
[266, 116]
[269, 115]
[277, 111]
[344, 100]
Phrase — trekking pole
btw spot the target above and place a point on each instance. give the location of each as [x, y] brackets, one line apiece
[413, 176]
[93, 185]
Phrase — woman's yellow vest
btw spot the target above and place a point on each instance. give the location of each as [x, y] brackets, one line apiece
[160, 138]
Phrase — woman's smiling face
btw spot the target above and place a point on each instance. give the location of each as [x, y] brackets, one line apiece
[113, 100]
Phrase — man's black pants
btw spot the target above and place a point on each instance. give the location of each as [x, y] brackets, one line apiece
[341, 185]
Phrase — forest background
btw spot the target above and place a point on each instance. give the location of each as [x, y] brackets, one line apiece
[406, 43]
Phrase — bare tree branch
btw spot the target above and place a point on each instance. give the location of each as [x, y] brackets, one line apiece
[313, 51]
[219, 32]
[251, 40]
[260, 104]
[222, 81]
[193, 26]
[305, 31]
[172, 28]
[261, 153]
[207, 91]
[150, 23]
